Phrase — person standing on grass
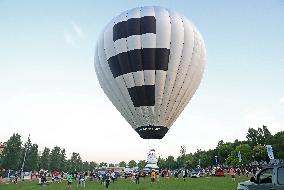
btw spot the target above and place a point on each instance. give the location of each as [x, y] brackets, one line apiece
[103, 178]
[168, 172]
[16, 178]
[153, 176]
[108, 176]
[137, 177]
[176, 174]
[133, 176]
[82, 180]
[113, 176]
[184, 174]
[69, 181]
[247, 172]
[232, 172]
[239, 172]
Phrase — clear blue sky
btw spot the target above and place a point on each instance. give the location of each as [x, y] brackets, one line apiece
[48, 85]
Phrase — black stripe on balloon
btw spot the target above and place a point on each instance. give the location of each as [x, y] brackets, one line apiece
[152, 132]
[139, 60]
[134, 26]
[142, 95]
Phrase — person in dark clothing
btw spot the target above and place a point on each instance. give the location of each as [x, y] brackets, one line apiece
[16, 178]
[107, 179]
[43, 180]
[137, 175]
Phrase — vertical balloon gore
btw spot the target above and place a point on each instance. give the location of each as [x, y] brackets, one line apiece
[149, 62]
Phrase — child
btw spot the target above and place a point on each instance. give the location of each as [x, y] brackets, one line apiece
[69, 181]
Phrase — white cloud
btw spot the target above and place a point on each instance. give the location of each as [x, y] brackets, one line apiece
[78, 30]
[282, 100]
[73, 34]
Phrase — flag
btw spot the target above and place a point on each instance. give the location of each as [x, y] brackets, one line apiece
[240, 156]
[270, 152]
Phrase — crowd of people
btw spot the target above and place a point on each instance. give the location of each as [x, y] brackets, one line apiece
[106, 177]
[79, 178]
[247, 171]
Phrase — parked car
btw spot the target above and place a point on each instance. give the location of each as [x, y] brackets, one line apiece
[195, 174]
[220, 172]
[270, 177]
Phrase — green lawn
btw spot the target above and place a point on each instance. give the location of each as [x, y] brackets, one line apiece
[204, 183]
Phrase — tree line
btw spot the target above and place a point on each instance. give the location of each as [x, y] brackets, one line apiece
[225, 154]
[15, 150]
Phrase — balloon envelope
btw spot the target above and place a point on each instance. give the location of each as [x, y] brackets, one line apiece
[149, 62]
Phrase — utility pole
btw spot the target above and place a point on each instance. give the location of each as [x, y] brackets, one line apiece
[22, 169]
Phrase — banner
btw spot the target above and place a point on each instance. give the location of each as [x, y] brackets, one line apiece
[240, 156]
[270, 152]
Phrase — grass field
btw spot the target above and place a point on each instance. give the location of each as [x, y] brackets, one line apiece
[204, 183]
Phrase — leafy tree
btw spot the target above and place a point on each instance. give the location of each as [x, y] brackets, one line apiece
[259, 153]
[93, 165]
[221, 142]
[161, 163]
[180, 159]
[267, 135]
[141, 164]
[103, 164]
[189, 161]
[223, 151]
[55, 158]
[86, 166]
[170, 162]
[182, 150]
[208, 158]
[252, 137]
[246, 154]
[32, 159]
[204, 158]
[122, 164]
[75, 162]
[44, 159]
[12, 153]
[238, 143]
[68, 166]
[25, 153]
[132, 164]
[196, 157]
[277, 142]
[63, 160]
[111, 165]
[261, 136]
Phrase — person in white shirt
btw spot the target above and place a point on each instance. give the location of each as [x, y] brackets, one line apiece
[113, 176]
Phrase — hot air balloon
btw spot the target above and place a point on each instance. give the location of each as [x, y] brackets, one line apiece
[149, 61]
